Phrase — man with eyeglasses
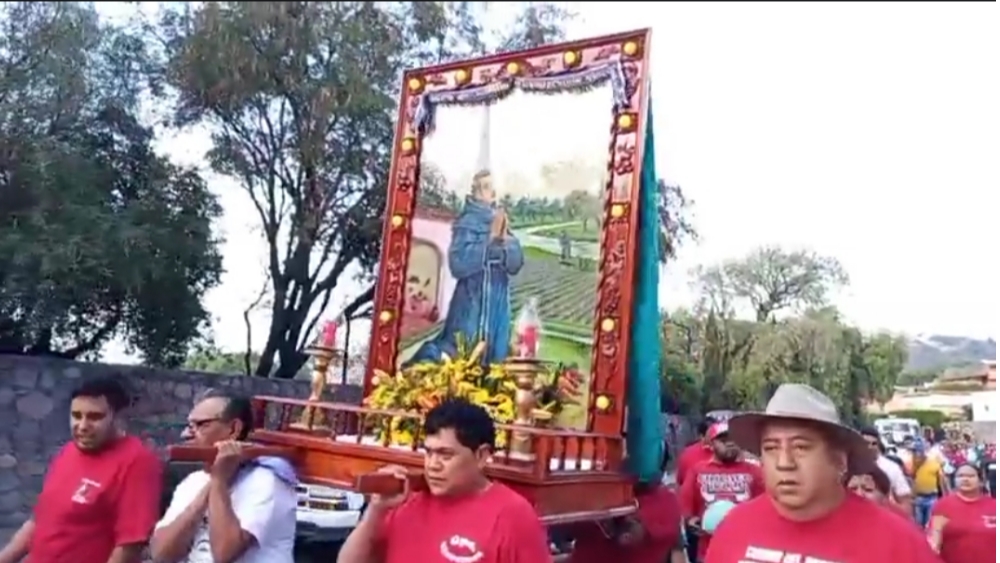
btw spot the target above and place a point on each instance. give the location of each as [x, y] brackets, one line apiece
[237, 511]
[902, 494]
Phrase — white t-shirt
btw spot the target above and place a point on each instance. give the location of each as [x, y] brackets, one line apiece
[897, 478]
[264, 505]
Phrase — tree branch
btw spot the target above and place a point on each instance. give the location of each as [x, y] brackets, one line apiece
[248, 352]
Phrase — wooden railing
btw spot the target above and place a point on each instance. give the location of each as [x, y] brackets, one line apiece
[544, 454]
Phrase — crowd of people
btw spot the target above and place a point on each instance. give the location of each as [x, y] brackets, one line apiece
[792, 484]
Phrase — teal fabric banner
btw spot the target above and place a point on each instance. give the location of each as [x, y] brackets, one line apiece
[645, 435]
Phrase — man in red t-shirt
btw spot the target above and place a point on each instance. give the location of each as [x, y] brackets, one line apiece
[725, 477]
[694, 455]
[101, 495]
[807, 513]
[649, 536]
[463, 516]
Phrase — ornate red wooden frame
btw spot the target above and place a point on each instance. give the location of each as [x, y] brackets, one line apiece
[613, 315]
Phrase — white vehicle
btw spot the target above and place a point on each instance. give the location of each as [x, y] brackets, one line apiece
[325, 514]
[897, 430]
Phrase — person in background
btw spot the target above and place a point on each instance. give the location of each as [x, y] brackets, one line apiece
[929, 483]
[873, 484]
[963, 524]
[902, 495]
[725, 477]
[807, 513]
[463, 516]
[692, 456]
[652, 535]
[100, 497]
[238, 511]
[989, 471]
[695, 453]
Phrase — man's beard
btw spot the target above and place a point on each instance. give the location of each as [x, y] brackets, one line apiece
[727, 458]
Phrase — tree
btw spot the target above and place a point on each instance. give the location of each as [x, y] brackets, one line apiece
[885, 357]
[772, 280]
[742, 361]
[301, 100]
[433, 192]
[676, 228]
[99, 236]
[211, 359]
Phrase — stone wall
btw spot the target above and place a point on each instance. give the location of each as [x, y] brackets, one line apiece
[34, 415]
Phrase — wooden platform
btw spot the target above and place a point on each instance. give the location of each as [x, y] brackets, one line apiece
[568, 476]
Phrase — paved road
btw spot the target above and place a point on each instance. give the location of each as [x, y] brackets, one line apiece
[581, 249]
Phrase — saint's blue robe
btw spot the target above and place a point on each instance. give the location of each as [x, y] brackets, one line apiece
[479, 309]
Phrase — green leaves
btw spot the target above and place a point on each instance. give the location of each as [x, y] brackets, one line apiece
[99, 236]
[301, 100]
[742, 361]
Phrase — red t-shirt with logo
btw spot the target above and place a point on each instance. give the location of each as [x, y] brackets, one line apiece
[971, 532]
[712, 481]
[691, 457]
[660, 516]
[858, 531]
[495, 526]
[93, 502]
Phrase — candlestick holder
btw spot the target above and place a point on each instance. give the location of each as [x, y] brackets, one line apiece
[525, 372]
[322, 357]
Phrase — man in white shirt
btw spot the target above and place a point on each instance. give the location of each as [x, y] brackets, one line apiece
[902, 494]
[236, 513]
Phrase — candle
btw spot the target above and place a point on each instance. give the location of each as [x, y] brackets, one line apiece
[329, 339]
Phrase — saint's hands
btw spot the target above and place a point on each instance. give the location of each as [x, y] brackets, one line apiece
[228, 458]
[498, 228]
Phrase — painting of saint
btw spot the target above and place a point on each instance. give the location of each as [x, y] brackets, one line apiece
[483, 257]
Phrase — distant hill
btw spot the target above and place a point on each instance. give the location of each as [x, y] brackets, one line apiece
[936, 352]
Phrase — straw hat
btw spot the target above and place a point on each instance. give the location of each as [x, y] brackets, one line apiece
[798, 402]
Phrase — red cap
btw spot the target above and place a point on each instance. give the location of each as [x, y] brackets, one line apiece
[717, 429]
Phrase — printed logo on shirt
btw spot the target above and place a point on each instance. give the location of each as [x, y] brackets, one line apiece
[990, 521]
[459, 549]
[762, 555]
[201, 549]
[726, 485]
[86, 491]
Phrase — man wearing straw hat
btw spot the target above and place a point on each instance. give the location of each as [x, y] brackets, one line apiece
[807, 514]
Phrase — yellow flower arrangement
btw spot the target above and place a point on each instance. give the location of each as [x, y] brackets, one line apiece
[421, 387]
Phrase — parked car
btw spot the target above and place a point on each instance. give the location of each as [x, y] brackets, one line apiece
[324, 518]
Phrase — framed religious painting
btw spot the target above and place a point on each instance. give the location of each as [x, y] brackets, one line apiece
[509, 245]
[516, 272]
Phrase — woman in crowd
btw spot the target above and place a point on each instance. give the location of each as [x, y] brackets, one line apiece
[963, 525]
[872, 483]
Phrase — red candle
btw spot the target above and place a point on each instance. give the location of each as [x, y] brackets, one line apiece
[529, 342]
[329, 339]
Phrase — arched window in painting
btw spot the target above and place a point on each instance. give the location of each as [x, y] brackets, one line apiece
[423, 282]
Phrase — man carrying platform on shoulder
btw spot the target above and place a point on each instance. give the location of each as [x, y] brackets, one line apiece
[463, 516]
[236, 512]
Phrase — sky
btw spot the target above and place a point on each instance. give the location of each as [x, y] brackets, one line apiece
[863, 131]
[572, 128]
